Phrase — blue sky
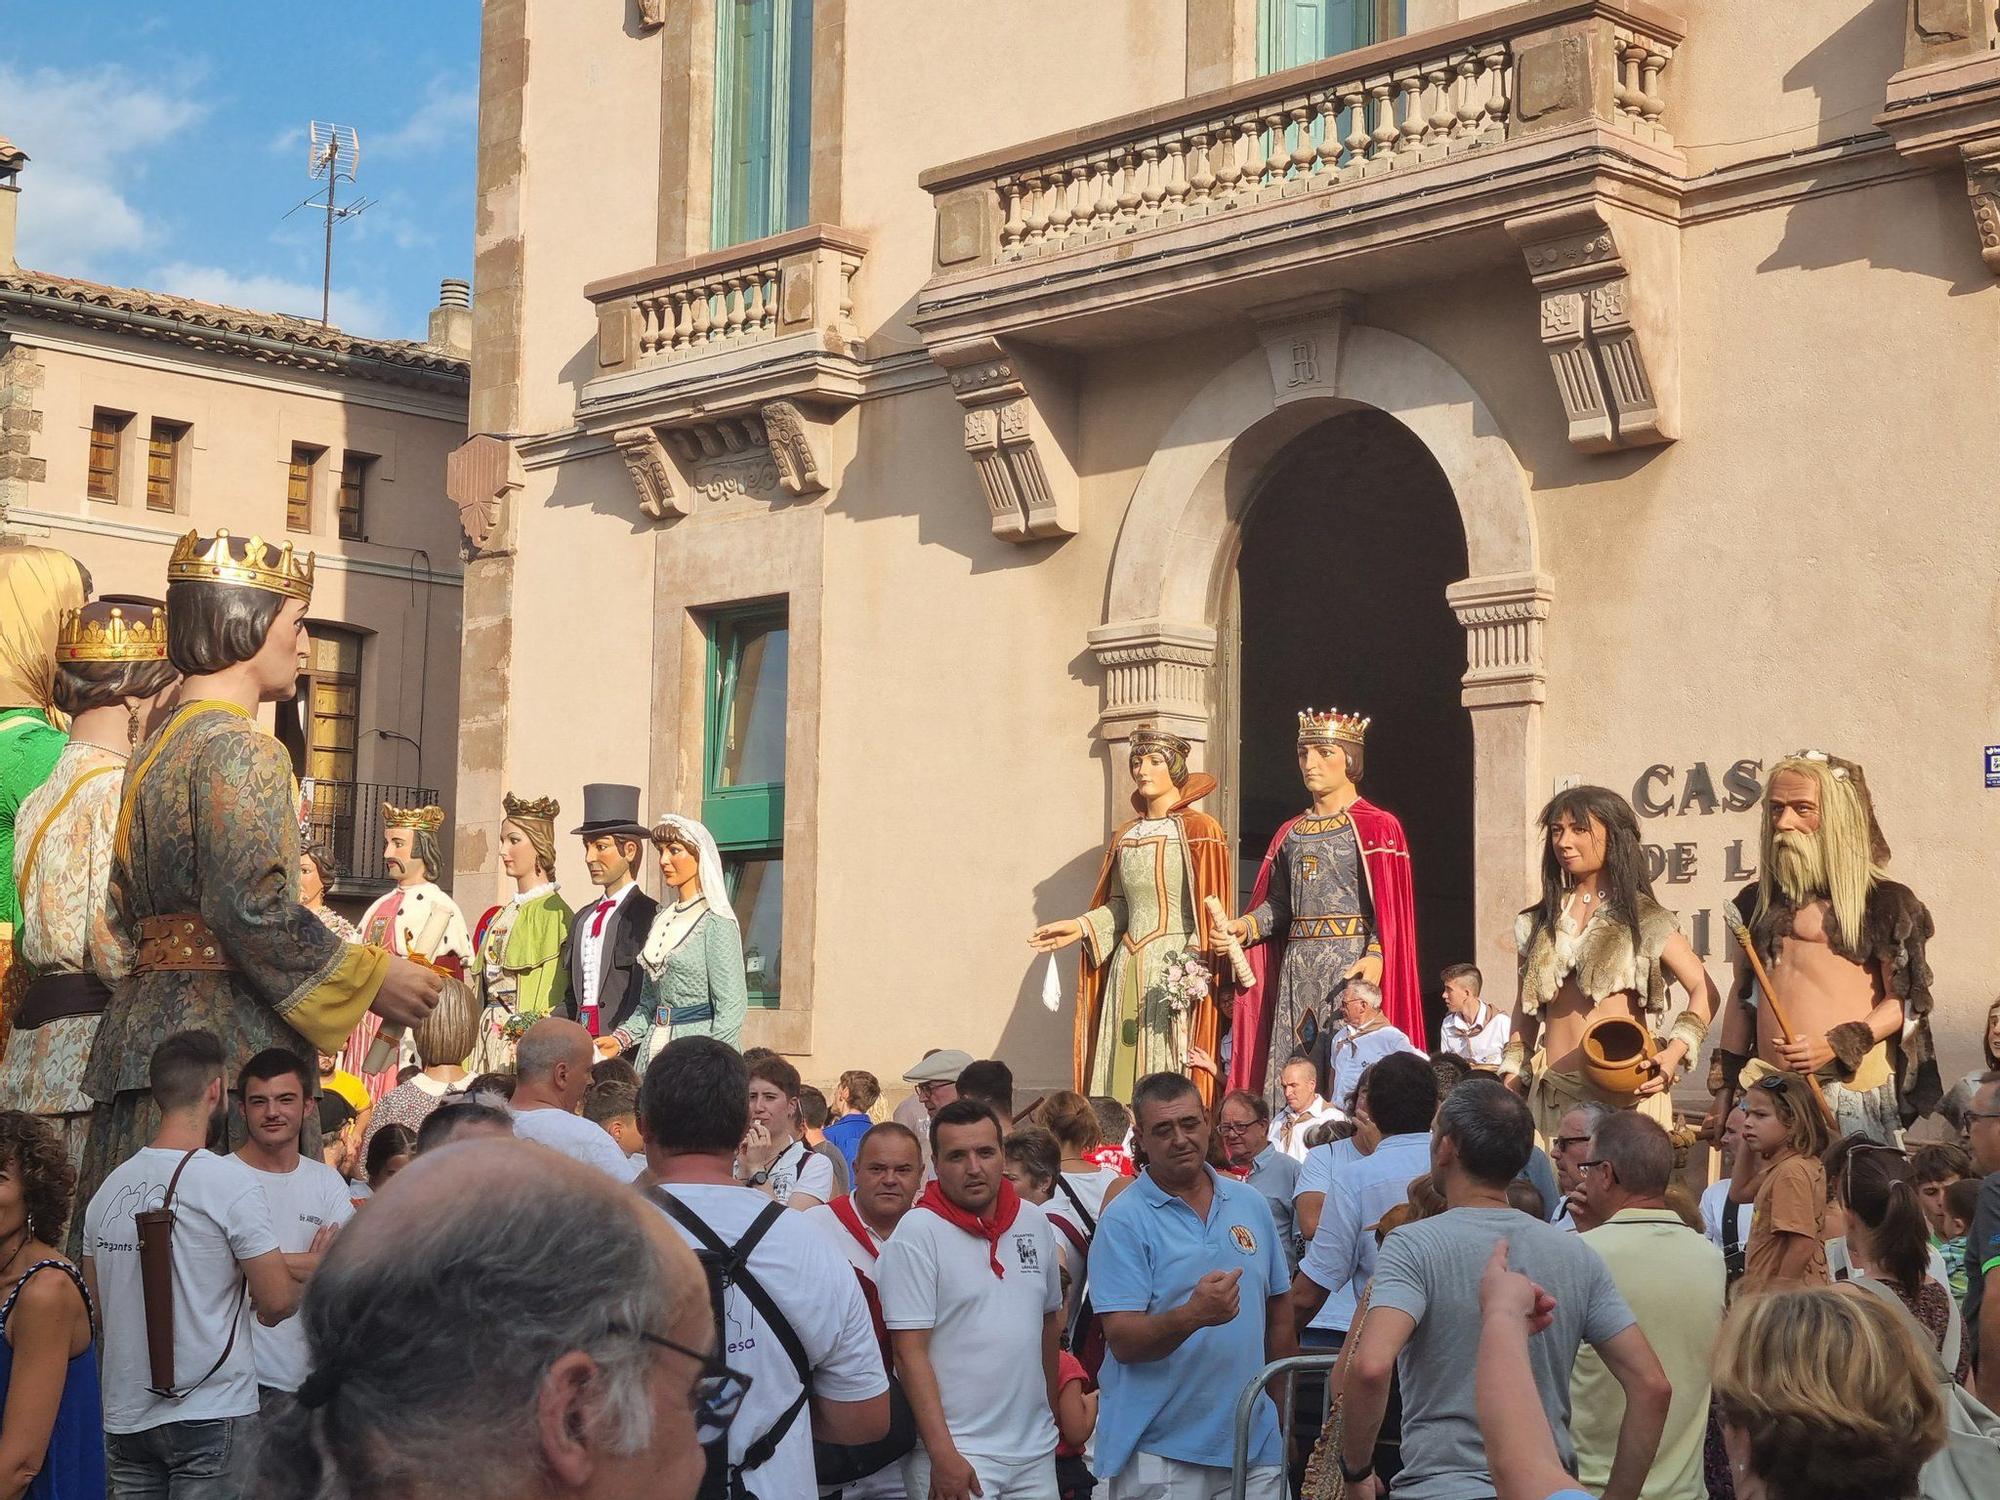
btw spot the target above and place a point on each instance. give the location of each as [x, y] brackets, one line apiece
[167, 138]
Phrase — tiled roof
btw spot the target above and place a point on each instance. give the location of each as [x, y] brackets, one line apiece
[275, 338]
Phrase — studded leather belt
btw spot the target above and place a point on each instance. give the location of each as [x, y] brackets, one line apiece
[180, 941]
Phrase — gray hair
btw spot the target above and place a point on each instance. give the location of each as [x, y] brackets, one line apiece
[1593, 1111]
[1491, 1127]
[540, 1049]
[426, 1351]
[1366, 991]
[1638, 1150]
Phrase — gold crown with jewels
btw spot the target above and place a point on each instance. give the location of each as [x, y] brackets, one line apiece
[1332, 727]
[263, 565]
[542, 809]
[104, 632]
[1149, 737]
[423, 819]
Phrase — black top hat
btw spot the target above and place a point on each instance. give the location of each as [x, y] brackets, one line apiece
[608, 808]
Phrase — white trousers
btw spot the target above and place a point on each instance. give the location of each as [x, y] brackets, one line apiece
[1151, 1477]
[1029, 1479]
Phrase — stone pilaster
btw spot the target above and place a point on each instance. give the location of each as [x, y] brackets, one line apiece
[21, 377]
[1155, 672]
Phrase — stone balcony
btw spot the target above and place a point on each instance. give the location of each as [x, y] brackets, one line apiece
[1541, 132]
[720, 376]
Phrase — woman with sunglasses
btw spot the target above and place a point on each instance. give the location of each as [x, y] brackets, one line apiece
[1785, 1128]
[1875, 1199]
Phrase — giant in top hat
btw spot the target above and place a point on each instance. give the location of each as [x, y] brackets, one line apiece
[610, 808]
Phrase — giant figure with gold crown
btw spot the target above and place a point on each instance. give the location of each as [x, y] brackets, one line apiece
[414, 918]
[112, 673]
[1148, 914]
[518, 944]
[205, 861]
[37, 584]
[1332, 902]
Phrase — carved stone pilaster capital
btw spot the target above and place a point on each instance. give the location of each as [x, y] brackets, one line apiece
[665, 491]
[1503, 615]
[1157, 672]
[1609, 322]
[1030, 486]
[1982, 183]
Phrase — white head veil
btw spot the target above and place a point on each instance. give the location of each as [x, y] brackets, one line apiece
[708, 859]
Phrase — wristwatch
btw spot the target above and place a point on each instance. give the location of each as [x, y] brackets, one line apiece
[759, 1178]
[1355, 1476]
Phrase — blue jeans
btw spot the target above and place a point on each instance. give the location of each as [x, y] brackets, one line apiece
[177, 1461]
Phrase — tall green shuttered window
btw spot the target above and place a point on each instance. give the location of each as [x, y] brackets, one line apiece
[743, 779]
[763, 117]
[1291, 32]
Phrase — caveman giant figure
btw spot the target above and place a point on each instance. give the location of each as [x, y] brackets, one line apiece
[1844, 947]
[1332, 902]
[205, 858]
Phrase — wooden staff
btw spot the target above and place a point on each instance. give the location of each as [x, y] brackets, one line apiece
[1741, 930]
[1239, 965]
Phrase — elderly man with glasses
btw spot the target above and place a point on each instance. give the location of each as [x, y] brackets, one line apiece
[464, 1339]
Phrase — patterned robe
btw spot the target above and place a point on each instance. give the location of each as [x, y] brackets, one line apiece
[207, 825]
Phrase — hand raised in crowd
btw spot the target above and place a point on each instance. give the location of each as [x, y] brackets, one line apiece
[952, 1478]
[409, 991]
[1215, 1299]
[1509, 1295]
[757, 1152]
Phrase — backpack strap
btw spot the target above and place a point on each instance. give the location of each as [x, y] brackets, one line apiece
[236, 1313]
[736, 1272]
[1939, 1370]
[1076, 1202]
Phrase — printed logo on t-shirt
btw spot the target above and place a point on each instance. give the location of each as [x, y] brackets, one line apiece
[1025, 1249]
[1245, 1240]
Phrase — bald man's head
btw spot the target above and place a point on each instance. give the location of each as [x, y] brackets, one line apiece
[552, 1063]
[463, 1299]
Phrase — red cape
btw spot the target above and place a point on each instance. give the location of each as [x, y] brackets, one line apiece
[1385, 864]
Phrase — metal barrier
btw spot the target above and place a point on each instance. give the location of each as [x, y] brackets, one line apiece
[1246, 1404]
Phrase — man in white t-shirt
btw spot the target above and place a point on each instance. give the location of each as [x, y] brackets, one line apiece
[308, 1200]
[225, 1261]
[1298, 1080]
[693, 1112]
[888, 1170]
[1471, 1028]
[972, 1293]
[773, 1158]
[551, 1076]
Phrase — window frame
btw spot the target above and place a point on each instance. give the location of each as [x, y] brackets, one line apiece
[176, 436]
[315, 678]
[357, 465]
[109, 424]
[742, 209]
[746, 820]
[312, 457]
[1386, 19]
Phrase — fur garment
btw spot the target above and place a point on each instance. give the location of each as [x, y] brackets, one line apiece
[1895, 928]
[1605, 963]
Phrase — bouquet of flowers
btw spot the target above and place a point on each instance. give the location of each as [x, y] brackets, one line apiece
[516, 1026]
[1186, 979]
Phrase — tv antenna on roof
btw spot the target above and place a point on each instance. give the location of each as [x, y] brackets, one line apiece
[333, 156]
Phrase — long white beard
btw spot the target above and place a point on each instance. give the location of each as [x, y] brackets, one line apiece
[1799, 865]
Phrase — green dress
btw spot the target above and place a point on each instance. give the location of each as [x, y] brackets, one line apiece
[29, 745]
[1147, 917]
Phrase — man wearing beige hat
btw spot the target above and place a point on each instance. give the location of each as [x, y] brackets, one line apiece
[935, 1076]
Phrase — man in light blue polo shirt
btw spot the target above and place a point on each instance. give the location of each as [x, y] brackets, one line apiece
[1400, 1096]
[1189, 1279]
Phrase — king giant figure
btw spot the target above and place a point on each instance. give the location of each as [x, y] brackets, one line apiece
[205, 859]
[1332, 903]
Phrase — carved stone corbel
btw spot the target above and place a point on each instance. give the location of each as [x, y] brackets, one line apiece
[801, 445]
[1609, 315]
[665, 490]
[1022, 462]
[1982, 183]
[481, 476]
[652, 14]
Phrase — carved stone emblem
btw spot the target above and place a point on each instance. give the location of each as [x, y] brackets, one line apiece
[479, 476]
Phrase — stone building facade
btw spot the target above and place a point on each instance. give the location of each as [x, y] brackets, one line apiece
[129, 417]
[1588, 390]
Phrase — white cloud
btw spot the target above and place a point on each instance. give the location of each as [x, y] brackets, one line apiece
[353, 311]
[446, 117]
[90, 136]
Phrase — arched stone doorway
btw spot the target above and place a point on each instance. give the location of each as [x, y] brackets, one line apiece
[1346, 551]
[1174, 567]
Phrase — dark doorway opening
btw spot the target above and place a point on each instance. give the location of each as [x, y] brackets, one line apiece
[1346, 553]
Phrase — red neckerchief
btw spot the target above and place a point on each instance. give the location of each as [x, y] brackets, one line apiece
[850, 1220]
[1006, 1208]
[1241, 1174]
[1115, 1157]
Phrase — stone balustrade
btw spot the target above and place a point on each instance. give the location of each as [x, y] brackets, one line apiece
[1383, 109]
[754, 293]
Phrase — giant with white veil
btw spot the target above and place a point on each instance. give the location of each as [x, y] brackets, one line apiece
[693, 957]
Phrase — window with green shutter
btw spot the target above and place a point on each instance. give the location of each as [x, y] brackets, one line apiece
[763, 118]
[743, 779]
[1292, 32]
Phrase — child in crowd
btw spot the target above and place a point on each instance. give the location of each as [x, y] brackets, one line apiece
[1934, 1168]
[1785, 1130]
[1076, 1420]
[1959, 1201]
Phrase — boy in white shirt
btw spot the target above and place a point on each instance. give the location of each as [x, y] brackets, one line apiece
[226, 1260]
[1471, 1029]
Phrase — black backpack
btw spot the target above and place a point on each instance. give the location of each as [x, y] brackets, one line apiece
[728, 1266]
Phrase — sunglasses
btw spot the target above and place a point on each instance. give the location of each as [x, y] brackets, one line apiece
[717, 1393]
